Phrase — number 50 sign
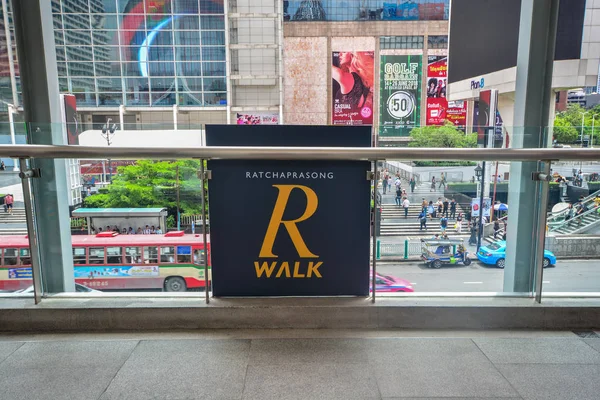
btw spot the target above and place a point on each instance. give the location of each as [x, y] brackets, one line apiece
[401, 105]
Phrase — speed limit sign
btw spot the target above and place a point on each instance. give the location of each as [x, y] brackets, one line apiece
[401, 105]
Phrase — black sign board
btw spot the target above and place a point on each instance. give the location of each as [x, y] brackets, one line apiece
[289, 228]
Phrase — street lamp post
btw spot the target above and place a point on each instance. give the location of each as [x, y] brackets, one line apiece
[480, 175]
[592, 139]
[582, 124]
[108, 131]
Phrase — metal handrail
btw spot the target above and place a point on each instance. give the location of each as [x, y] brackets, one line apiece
[559, 224]
[587, 199]
[297, 153]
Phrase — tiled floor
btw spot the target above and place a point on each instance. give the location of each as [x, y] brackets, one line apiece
[301, 365]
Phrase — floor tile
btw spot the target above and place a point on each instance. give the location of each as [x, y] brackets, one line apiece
[435, 368]
[593, 343]
[182, 369]
[7, 348]
[523, 351]
[553, 381]
[54, 355]
[310, 381]
[62, 370]
[284, 351]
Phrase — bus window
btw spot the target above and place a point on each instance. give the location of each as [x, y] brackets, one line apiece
[79, 255]
[96, 255]
[199, 257]
[184, 254]
[114, 255]
[167, 254]
[25, 257]
[10, 256]
[133, 255]
[151, 255]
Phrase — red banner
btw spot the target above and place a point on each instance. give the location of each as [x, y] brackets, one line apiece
[437, 75]
[352, 84]
[457, 114]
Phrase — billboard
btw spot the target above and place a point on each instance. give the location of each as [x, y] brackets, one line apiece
[476, 202]
[457, 114]
[291, 235]
[352, 87]
[69, 110]
[491, 29]
[257, 119]
[400, 94]
[437, 105]
[487, 110]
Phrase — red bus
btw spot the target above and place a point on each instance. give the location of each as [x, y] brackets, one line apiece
[172, 262]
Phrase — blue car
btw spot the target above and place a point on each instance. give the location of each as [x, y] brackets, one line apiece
[495, 254]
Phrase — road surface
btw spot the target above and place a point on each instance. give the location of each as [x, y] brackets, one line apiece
[567, 276]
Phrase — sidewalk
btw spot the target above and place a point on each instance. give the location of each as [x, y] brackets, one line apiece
[302, 364]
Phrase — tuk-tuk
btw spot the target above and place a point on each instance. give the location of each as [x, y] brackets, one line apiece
[437, 252]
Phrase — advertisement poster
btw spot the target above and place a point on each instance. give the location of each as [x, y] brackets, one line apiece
[98, 272]
[487, 206]
[412, 10]
[400, 101]
[457, 114]
[498, 132]
[437, 76]
[352, 87]
[294, 232]
[258, 119]
[19, 273]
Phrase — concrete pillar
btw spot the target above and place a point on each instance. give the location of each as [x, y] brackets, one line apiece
[533, 98]
[41, 102]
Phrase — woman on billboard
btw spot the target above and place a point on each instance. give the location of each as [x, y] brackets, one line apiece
[353, 71]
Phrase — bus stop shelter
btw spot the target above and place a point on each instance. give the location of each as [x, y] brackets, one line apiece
[122, 218]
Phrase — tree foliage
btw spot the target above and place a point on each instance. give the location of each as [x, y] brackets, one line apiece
[568, 124]
[152, 184]
[563, 131]
[441, 136]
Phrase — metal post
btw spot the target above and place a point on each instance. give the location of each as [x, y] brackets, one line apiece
[9, 55]
[480, 222]
[373, 277]
[540, 231]
[31, 233]
[175, 111]
[13, 140]
[121, 117]
[177, 184]
[204, 239]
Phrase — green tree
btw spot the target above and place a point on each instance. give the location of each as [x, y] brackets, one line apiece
[563, 131]
[153, 184]
[441, 136]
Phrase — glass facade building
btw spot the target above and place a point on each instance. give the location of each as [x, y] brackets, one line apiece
[366, 10]
[141, 53]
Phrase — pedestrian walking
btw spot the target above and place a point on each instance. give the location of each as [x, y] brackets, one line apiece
[390, 182]
[424, 204]
[431, 210]
[398, 198]
[2, 166]
[453, 208]
[398, 183]
[432, 184]
[442, 181]
[443, 224]
[8, 203]
[445, 204]
[423, 220]
[473, 237]
[406, 205]
[496, 228]
[439, 205]
[412, 184]
[458, 224]
[384, 184]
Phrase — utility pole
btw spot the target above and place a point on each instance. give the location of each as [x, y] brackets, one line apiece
[177, 184]
[108, 131]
